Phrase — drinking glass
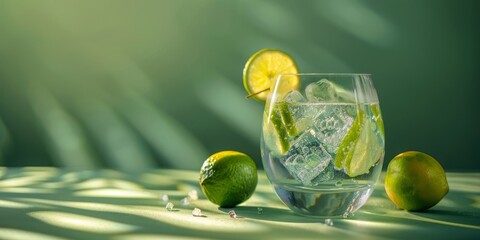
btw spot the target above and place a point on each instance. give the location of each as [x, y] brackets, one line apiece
[323, 143]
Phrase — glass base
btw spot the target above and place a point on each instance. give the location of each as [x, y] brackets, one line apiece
[324, 203]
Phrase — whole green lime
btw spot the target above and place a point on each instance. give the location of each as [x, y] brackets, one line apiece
[228, 178]
[415, 181]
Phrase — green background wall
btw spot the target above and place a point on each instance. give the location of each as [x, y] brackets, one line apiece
[140, 84]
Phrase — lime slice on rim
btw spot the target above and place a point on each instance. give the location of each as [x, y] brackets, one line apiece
[262, 69]
[361, 147]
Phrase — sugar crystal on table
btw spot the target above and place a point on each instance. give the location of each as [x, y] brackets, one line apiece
[169, 206]
[329, 222]
[197, 212]
[232, 214]
[193, 195]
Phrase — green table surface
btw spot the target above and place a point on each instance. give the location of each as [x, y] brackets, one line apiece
[52, 203]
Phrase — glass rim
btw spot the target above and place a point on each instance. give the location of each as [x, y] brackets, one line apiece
[326, 74]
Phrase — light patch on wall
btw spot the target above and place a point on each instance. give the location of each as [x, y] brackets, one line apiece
[165, 134]
[359, 20]
[65, 137]
[228, 102]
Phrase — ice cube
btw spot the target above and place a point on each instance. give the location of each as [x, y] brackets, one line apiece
[197, 212]
[193, 195]
[326, 91]
[169, 206]
[327, 174]
[232, 214]
[329, 222]
[308, 161]
[321, 91]
[303, 113]
[295, 97]
[332, 125]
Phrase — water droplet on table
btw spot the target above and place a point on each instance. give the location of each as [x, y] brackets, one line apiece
[165, 198]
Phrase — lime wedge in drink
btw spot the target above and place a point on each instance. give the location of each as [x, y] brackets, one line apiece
[361, 147]
[377, 115]
[349, 141]
[284, 125]
[287, 119]
[282, 134]
[262, 69]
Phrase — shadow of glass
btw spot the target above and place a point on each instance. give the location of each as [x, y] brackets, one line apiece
[271, 214]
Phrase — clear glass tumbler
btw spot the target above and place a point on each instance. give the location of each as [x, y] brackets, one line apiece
[323, 143]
